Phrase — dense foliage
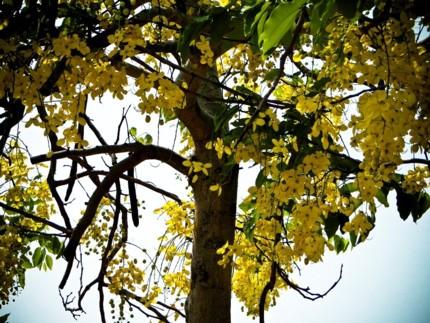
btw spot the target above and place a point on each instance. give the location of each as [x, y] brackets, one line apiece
[328, 100]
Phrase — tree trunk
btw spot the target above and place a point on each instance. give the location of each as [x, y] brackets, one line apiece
[210, 295]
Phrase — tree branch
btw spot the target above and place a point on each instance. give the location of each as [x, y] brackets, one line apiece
[138, 156]
[155, 152]
[125, 177]
[35, 218]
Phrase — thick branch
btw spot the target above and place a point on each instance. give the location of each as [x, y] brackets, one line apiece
[162, 154]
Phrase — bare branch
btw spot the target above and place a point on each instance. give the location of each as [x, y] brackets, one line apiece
[128, 178]
[267, 288]
[305, 292]
[35, 218]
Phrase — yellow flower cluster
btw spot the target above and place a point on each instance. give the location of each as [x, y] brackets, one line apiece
[197, 167]
[416, 180]
[12, 251]
[207, 55]
[179, 218]
[308, 104]
[167, 95]
[219, 147]
[64, 46]
[124, 273]
[358, 225]
[125, 41]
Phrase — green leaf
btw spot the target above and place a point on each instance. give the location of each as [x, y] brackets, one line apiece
[38, 256]
[331, 224]
[340, 244]
[421, 206]
[353, 239]
[3, 318]
[224, 118]
[405, 202]
[190, 32]
[271, 74]
[280, 25]
[382, 195]
[251, 14]
[249, 226]
[261, 178]
[345, 165]
[49, 261]
[349, 188]
[321, 13]
[333, 221]
[133, 132]
[351, 9]
[246, 206]
[57, 246]
[26, 263]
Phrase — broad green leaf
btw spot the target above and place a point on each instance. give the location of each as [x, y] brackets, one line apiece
[251, 13]
[421, 206]
[38, 256]
[340, 244]
[331, 224]
[405, 202]
[353, 239]
[349, 188]
[280, 24]
[56, 246]
[382, 198]
[26, 263]
[49, 261]
[271, 74]
[333, 221]
[249, 226]
[351, 9]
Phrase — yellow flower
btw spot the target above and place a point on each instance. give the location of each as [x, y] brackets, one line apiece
[216, 188]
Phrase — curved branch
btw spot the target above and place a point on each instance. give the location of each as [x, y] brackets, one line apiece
[305, 292]
[140, 155]
[147, 185]
[153, 152]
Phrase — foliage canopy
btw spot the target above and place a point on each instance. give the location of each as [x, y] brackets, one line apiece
[328, 100]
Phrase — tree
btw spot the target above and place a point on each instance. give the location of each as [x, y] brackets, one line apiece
[276, 86]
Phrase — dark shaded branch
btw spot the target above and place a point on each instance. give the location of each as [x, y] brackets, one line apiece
[155, 152]
[416, 161]
[125, 177]
[305, 292]
[35, 218]
[171, 308]
[137, 298]
[267, 288]
[94, 129]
